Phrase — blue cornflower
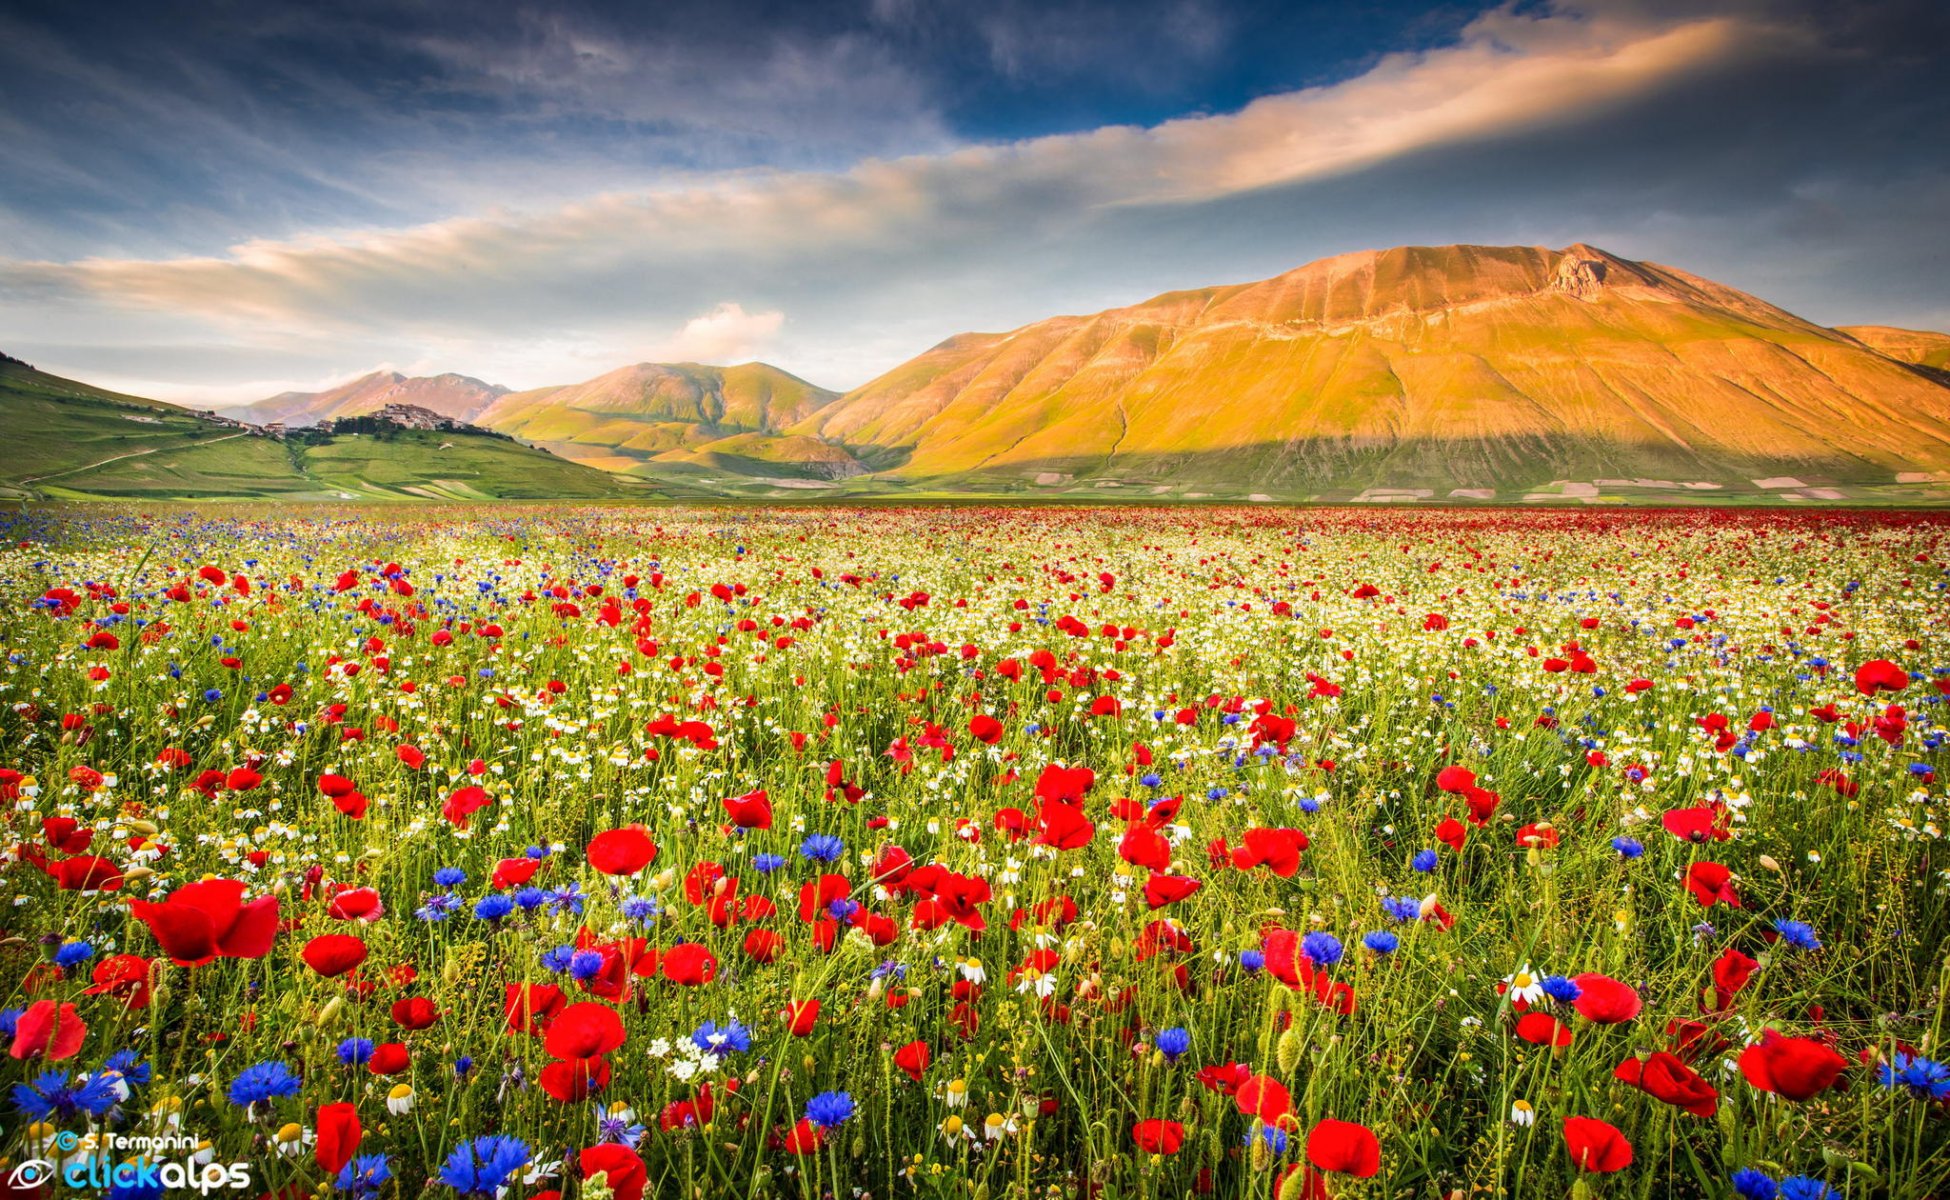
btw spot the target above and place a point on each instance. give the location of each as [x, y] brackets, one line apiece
[641, 908]
[364, 1175]
[1560, 989]
[1324, 949]
[829, 1109]
[617, 1129]
[481, 1167]
[493, 907]
[263, 1081]
[1922, 1076]
[212, 695]
[822, 847]
[438, 908]
[1174, 1042]
[1798, 934]
[355, 1050]
[1803, 1187]
[842, 910]
[1424, 861]
[1308, 804]
[1754, 1185]
[558, 958]
[569, 898]
[1402, 908]
[9, 1019]
[1628, 847]
[1252, 960]
[586, 964]
[450, 877]
[50, 1096]
[1151, 779]
[1274, 1137]
[765, 864]
[73, 954]
[129, 1065]
[463, 1066]
[713, 1038]
[1381, 942]
[530, 898]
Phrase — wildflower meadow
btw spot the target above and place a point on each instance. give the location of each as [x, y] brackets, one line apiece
[602, 853]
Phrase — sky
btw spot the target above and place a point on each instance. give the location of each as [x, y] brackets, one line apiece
[211, 201]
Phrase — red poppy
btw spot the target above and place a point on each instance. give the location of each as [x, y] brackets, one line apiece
[1543, 1029]
[338, 1137]
[1264, 1097]
[127, 977]
[1668, 1080]
[690, 964]
[414, 1012]
[1158, 1137]
[514, 872]
[1455, 779]
[620, 1165]
[1160, 890]
[1880, 675]
[622, 851]
[1064, 825]
[984, 728]
[464, 802]
[1344, 1147]
[1711, 882]
[356, 904]
[1704, 823]
[1794, 1067]
[1145, 847]
[333, 954]
[1595, 1145]
[753, 810]
[913, 1059]
[800, 1017]
[48, 1030]
[1603, 1000]
[86, 873]
[207, 920]
[584, 1030]
[389, 1058]
[1278, 850]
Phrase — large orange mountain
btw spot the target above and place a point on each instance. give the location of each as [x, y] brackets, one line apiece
[1466, 370]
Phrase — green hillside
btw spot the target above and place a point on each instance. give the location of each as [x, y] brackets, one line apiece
[67, 440]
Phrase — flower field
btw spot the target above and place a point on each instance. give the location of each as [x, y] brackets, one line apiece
[961, 852]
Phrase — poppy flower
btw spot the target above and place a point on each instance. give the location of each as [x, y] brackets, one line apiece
[1596, 1145]
[127, 977]
[1543, 1029]
[333, 954]
[85, 873]
[1603, 1000]
[48, 1030]
[1711, 883]
[1064, 826]
[1154, 1136]
[584, 1030]
[1794, 1067]
[356, 904]
[800, 1017]
[1344, 1147]
[1731, 971]
[203, 921]
[620, 1165]
[913, 1059]
[986, 729]
[1455, 779]
[414, 1012]
[622, 851]
[462, 803]
[1278, 850]
[1160, 890]
[690, 964]
[514, 872]
[571, 1079]
[1668, 1080]
[389, 1058]
[1264, 1097]
[1143, 846]
[338, 1136]
[1880, 675]
[753, 810]
[1704, 823]
[530, 1007]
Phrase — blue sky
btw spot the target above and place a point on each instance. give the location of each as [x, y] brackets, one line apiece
[214, 201]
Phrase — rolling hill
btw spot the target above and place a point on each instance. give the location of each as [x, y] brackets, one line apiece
[1468, 372]
[1922, 349]
[650, 418]
[68, 440]
[459, 397]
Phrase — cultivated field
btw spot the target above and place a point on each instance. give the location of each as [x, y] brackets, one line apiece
[976, 852]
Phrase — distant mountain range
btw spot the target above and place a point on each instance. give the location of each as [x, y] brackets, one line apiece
[1447, 373]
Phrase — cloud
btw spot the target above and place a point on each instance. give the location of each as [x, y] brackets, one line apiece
[1558, 123]
[725, 334]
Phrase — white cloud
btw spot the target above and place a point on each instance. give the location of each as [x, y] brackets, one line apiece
[535, 297]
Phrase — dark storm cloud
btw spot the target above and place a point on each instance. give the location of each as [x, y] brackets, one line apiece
[1786, 150]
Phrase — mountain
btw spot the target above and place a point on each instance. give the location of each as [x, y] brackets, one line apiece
[69, 440]
[1922, 349]
[646, 418]
[1473, 372]
[457, 396]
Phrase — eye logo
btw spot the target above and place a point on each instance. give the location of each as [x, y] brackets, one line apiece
[30, 1174]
